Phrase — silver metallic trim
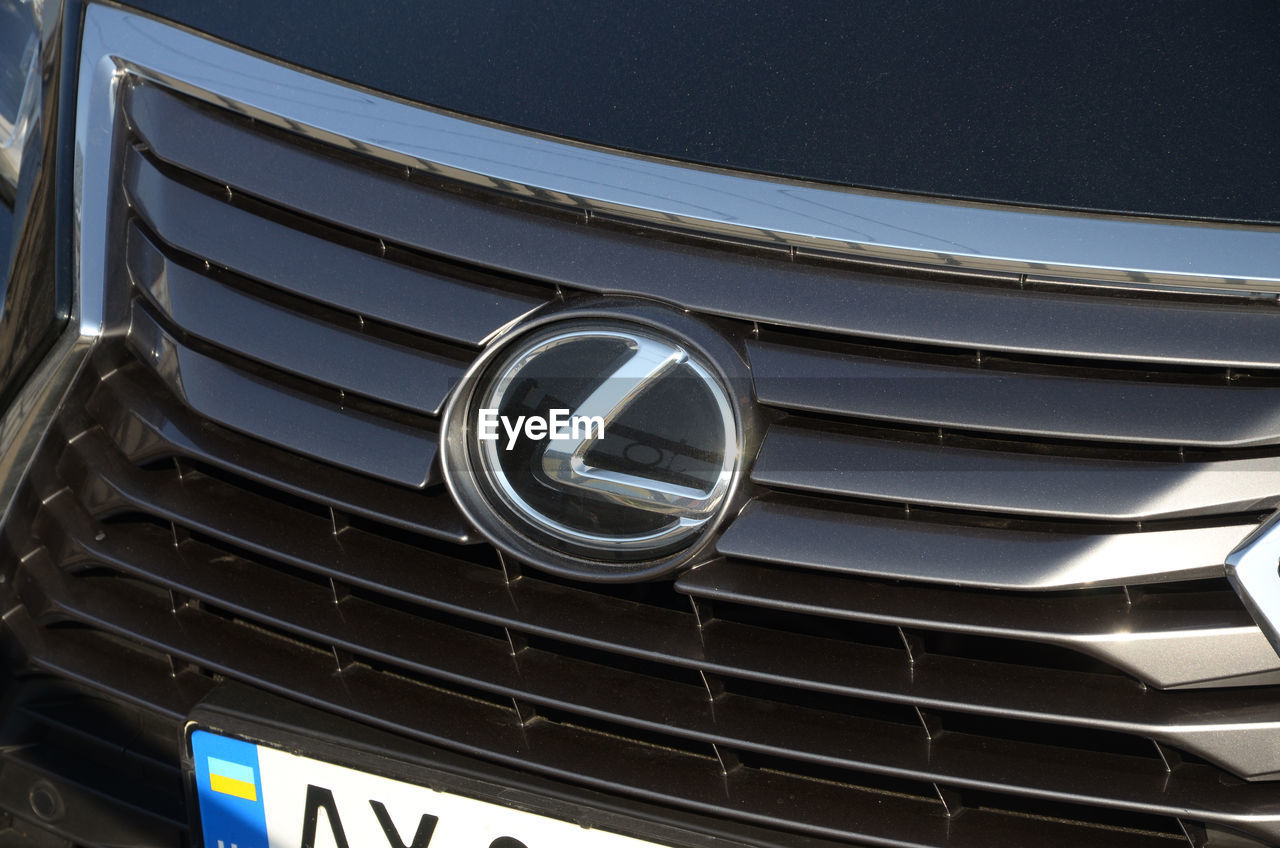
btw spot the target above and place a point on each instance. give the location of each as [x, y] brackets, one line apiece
[26, 422]
[1203, 658]
[1254, 570]
[96, 103]
[875, 225]
[1161, 647]
[563, 460]
[687, 522]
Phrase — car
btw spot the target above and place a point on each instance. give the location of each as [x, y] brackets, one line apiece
[578, 425]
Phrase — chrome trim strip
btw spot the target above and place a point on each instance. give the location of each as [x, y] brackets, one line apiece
[26, 422]
[1254, 571]
[876, 225]
[96, 103]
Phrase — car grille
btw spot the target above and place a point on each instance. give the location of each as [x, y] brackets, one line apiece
[976, 598]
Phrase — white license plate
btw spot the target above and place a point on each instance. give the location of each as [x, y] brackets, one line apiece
[253, 796]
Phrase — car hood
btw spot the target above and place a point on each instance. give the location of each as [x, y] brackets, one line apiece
[1138, 108]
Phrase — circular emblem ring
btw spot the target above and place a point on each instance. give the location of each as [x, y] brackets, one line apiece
[598, 445]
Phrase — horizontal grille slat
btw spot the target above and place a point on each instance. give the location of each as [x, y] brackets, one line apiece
[346, 359]
[1167, 640]
[737, 722]
[114, 767]
[315, 268]
[118, 729]
[848, 299]
[841, 811]
[81, 780]
[1052, 406]
[139, 677]
[136, 411]
[135, 812]
[349, 438]
[360, 558]
[996, 480]
[1201, 722]
[814, 534]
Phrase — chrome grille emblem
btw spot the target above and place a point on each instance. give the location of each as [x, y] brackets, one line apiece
[564, 460]
[619, 446]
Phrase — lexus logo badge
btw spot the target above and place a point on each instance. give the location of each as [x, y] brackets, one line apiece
[598, 444]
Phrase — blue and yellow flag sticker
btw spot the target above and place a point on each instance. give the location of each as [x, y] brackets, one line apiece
[233, 779]
[229, 791]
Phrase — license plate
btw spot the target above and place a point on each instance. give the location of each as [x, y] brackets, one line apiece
[255, 796]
